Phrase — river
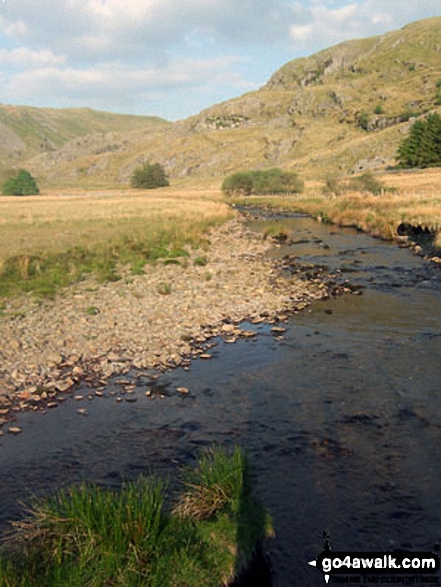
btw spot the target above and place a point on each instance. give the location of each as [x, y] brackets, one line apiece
[341, 418]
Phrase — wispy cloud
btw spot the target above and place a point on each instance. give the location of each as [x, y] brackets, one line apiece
[324, 23]
[126, 53]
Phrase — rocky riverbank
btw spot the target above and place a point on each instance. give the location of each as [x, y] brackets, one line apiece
[149, 322]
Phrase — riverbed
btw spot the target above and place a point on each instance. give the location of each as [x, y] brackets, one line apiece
[340, 415]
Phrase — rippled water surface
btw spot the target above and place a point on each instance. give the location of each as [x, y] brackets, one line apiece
[341, 419]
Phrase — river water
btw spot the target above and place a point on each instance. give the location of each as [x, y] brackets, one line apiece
[341, 419]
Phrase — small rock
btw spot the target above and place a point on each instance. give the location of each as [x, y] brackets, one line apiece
[249, 333]
[54, 358]
[228, 327]
[52, 405]
[205, 356]
[14, 430]
[64, 385]
[82, 412]
[183, 390]
[78, 397]
[278, 329]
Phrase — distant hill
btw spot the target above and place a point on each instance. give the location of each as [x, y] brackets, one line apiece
[26, 131]
[342, 110]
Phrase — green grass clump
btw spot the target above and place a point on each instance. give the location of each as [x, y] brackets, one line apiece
[200, 261]
[45, 272]
[276, 230]
[94, 536]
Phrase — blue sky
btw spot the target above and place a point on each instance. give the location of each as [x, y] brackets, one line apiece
[171, 58]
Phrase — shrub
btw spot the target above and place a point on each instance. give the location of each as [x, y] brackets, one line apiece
[333, 186]
[367, 182]
[149, 176]
[21, 185]
[238, 183]
[363, 120]
[200, 261]
[267, 181]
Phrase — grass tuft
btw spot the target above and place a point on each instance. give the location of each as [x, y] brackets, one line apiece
[95, 536]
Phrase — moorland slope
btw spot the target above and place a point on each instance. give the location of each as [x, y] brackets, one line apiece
[342, 110]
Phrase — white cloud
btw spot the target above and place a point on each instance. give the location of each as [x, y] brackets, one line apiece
[321, 24]
[24, 57]
[114, 79]
[112, 53]
[99, 29]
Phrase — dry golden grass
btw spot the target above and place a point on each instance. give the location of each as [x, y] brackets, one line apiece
[417, 200]
[56, 221]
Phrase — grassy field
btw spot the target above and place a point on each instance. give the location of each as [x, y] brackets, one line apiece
[55, 238]
[94, 536]
[416, 199]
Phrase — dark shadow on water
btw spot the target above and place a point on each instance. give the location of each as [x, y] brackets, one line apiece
[252, 529]
[257, 574]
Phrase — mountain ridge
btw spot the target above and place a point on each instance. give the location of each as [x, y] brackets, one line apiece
[341, 110]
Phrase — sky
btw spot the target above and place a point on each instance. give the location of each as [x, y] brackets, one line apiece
[172, 58]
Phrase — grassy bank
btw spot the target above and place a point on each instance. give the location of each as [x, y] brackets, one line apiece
[95, 537]
[416, 199]
[55, 239]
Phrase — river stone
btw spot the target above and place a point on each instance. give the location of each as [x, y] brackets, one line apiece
[182, 390]
[249, 334]
[54, 358]
[278, 329]
[14, 430]
[228, 327]
[64, 385]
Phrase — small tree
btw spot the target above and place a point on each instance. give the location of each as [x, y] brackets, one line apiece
[149, 176]
[238, 183]
[422, 148]
[21, 185]
[265, 181]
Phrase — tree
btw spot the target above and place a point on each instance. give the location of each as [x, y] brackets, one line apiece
[149, 176]
[267, 181]
[422, 148]
[21, 185]
[238, 183]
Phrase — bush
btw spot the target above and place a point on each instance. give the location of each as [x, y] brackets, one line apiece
[21, 185]
[238, 183]
[149, 176]
[367, 182]
[269, 181]
[333, 186]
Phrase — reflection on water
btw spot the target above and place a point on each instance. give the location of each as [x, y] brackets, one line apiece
[341, 419]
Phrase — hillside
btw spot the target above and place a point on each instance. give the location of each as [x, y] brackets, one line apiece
[341, 110]
[26, 131]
